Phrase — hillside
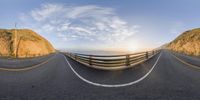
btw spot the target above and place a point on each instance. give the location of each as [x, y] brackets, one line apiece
[188, 43]
[23, 43]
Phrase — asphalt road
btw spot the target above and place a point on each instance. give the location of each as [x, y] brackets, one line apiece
[192, 60]
[21, 63]
[168, 79]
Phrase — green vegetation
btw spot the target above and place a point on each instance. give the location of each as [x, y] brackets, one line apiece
[188, 43]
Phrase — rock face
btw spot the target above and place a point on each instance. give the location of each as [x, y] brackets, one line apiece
[188, 43]
[23, 43]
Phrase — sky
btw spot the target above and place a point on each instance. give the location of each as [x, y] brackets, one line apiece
[118, 25]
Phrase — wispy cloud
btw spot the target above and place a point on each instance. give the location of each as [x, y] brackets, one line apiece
[75, 23]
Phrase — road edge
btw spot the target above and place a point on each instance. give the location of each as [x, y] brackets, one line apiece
[186, 63]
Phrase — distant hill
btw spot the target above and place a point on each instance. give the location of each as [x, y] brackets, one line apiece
[188, 43]
[23, 43]
[163, 46]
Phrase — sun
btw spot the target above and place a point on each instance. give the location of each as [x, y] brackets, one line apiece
[132, 47]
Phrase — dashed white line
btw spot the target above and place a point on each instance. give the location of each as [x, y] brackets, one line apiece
[112, 85]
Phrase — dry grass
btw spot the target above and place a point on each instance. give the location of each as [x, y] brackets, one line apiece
[29, 43]
[188, 43]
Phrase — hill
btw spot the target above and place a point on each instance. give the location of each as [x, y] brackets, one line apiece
[23, 43]
[188, 43]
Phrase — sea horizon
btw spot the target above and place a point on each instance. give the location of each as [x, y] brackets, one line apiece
[103, 52]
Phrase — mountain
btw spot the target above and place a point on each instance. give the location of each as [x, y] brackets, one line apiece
[188, 43]
[23, 43]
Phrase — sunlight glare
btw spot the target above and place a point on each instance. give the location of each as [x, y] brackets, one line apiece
[132, 47]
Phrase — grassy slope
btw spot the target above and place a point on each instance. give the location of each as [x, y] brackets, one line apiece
[188, 43]
[5, 43]
[29, 43]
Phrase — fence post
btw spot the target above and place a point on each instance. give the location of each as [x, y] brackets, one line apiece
[90, 60]
[147, 55]
[153, 52]
[127, 60]
[70, 55]
[75, 56]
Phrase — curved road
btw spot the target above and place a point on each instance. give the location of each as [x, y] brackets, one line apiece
[169, 79]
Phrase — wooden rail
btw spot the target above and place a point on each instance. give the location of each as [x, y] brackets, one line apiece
[112, 62]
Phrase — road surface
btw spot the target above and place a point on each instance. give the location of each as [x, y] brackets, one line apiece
[167, 79]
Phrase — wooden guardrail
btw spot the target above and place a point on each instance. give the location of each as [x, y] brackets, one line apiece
[112, 62]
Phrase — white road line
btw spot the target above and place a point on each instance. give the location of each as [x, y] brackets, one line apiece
[110, 85]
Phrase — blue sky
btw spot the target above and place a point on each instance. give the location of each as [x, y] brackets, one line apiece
[129, 25]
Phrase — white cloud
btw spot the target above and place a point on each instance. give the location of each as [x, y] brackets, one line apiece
[75, 23]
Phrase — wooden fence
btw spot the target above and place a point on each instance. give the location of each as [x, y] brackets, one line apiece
[110, 62]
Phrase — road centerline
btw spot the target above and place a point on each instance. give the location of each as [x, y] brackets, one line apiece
[184, 62]
[27, 68]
